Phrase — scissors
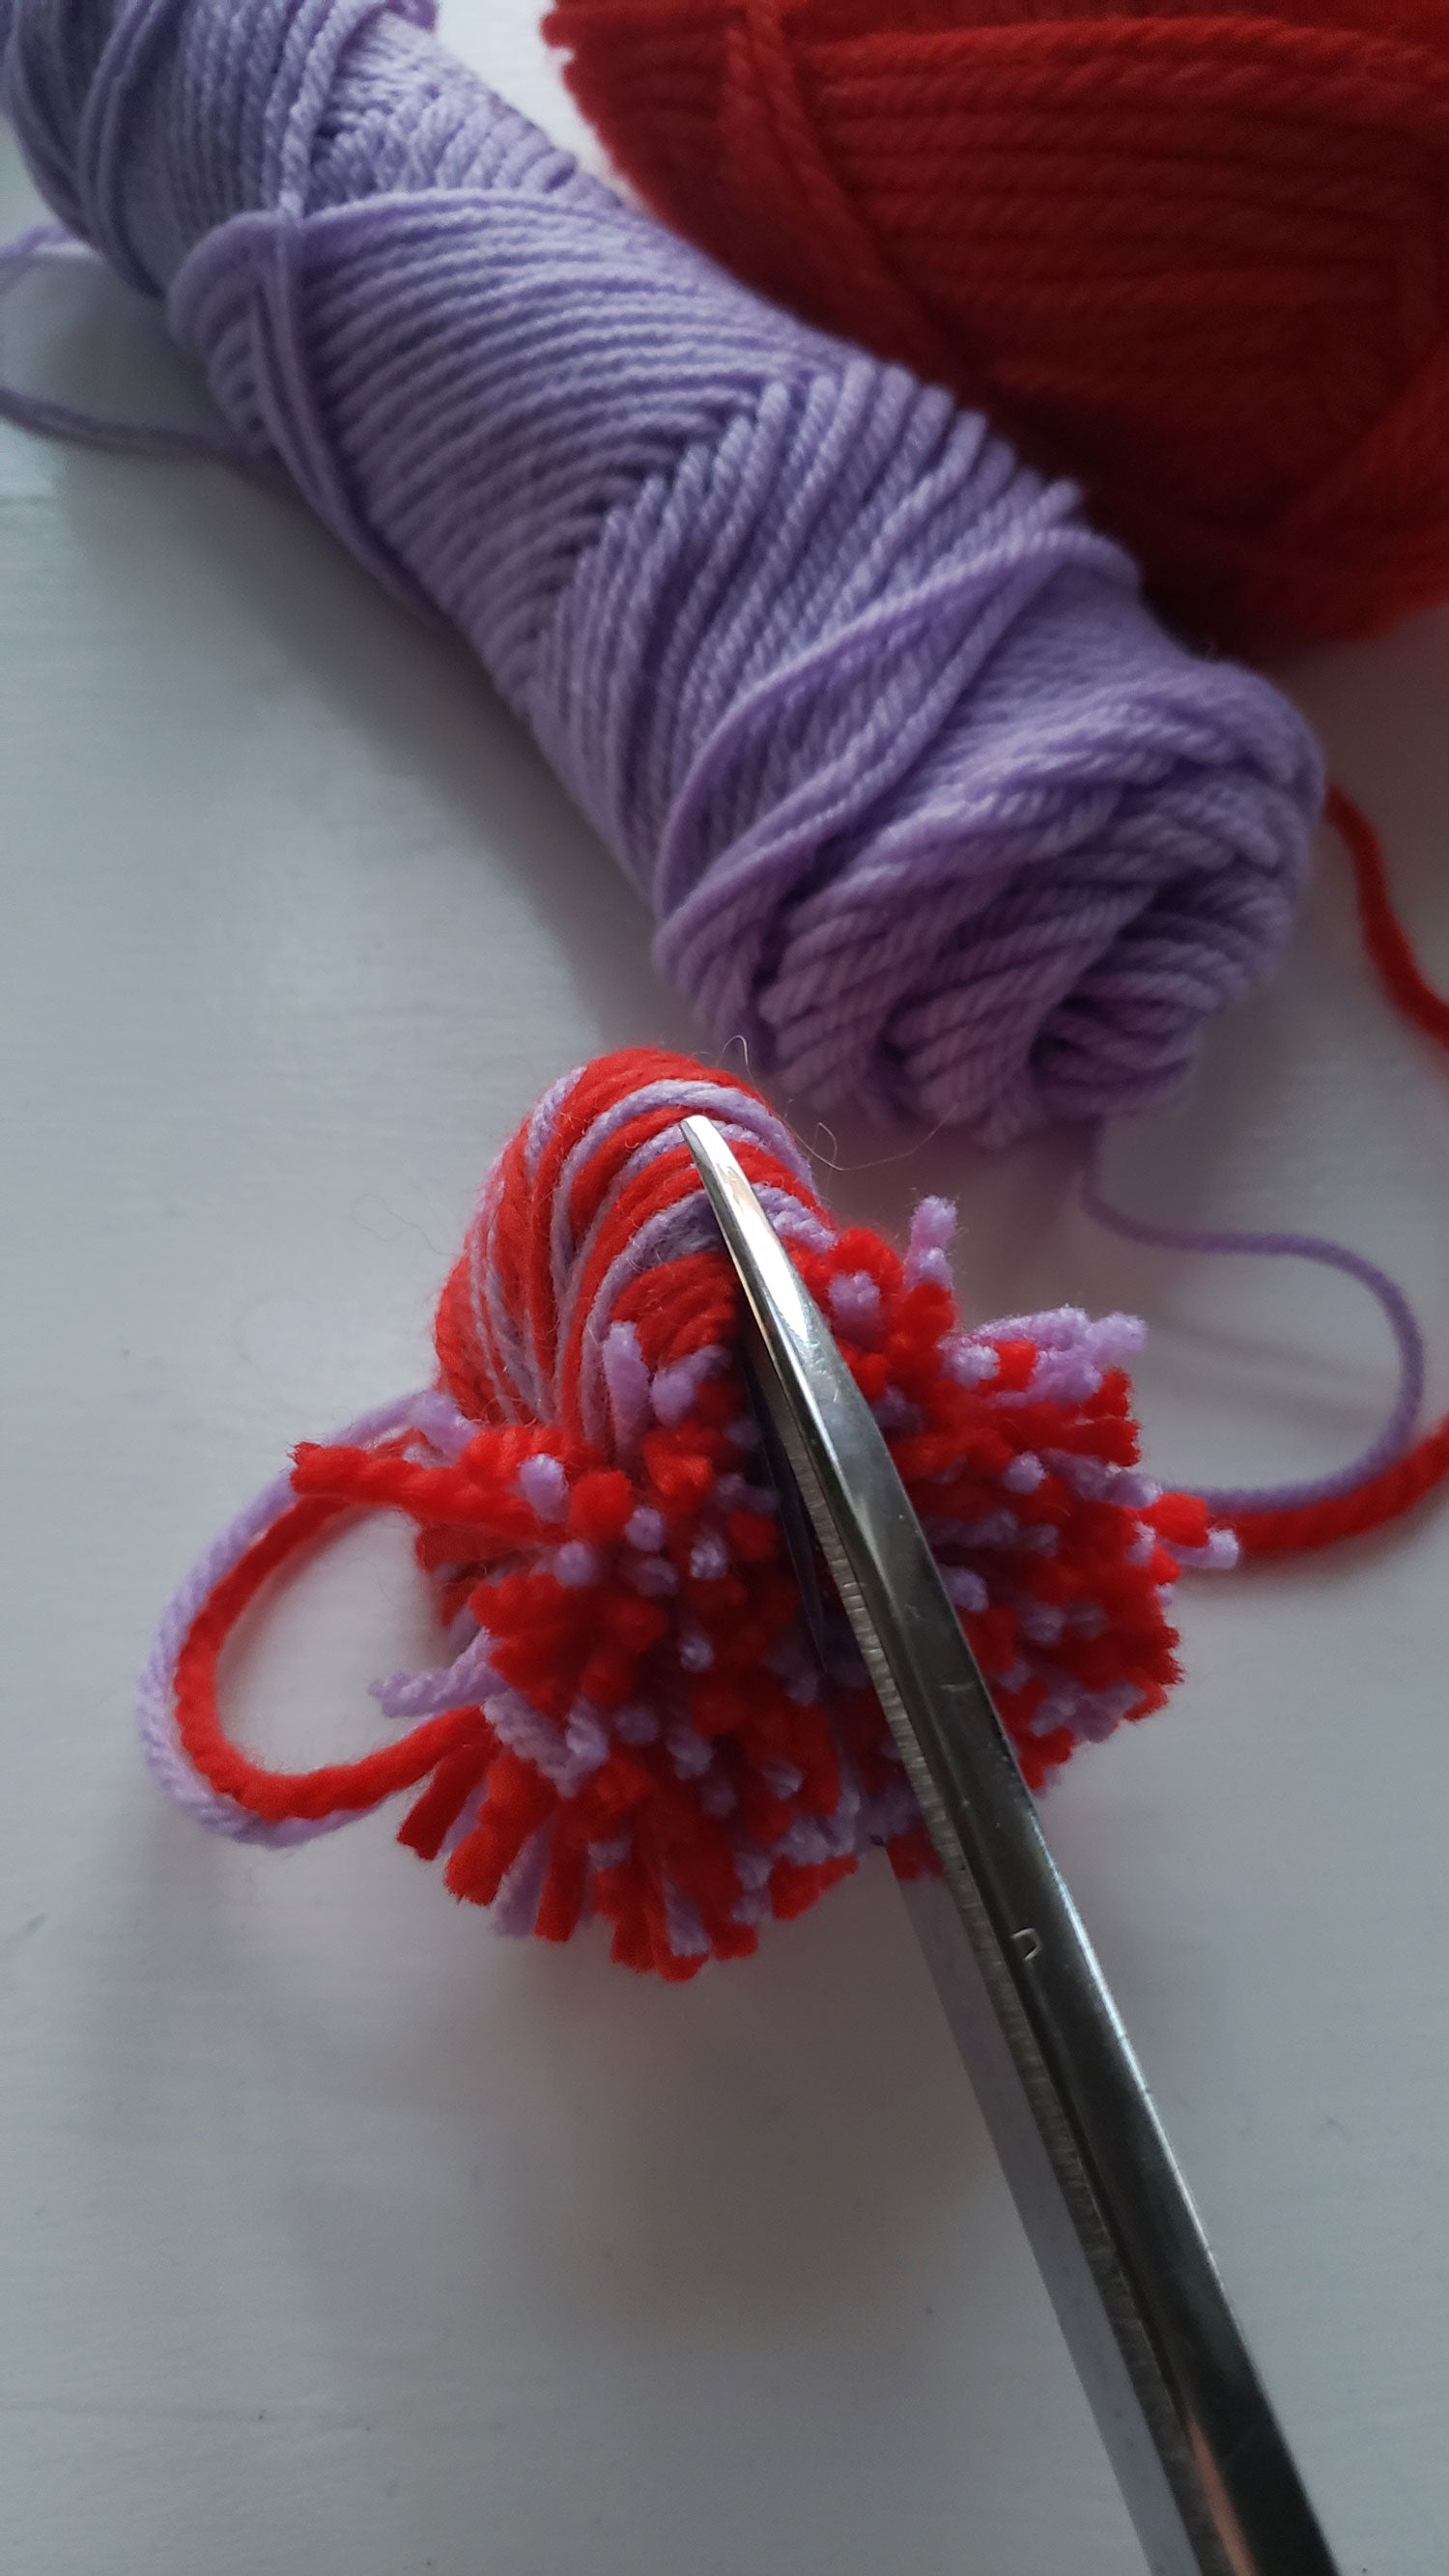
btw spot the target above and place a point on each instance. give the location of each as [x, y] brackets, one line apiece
[1204, 2468]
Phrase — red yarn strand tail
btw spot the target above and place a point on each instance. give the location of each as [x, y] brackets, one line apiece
[1356, 1515]
[1384, 936]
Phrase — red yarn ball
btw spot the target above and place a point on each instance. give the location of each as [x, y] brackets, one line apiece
[1197, 257]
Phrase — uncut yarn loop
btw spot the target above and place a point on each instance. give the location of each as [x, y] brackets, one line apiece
[1194, 254]
[926, 807]
[634, 1721]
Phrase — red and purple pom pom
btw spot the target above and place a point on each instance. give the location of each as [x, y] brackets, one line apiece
[634, 1722]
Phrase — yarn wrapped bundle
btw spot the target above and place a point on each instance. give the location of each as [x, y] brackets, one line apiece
[635, 1722]
[1194, 254]
[926, 806]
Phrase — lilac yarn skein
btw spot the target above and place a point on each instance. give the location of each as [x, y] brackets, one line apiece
[925, 804]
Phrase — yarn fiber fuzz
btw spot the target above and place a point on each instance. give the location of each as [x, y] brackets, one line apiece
[925, 806]
[1194, 255]
[633, 1721]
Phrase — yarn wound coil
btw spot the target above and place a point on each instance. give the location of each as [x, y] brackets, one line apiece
[927, 808]
[634, 1722]
[1195, 255]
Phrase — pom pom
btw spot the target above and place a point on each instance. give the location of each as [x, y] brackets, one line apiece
[635, 1722]
[1192, 254]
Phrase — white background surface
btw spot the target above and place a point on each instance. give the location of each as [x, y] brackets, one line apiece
[336, 2235]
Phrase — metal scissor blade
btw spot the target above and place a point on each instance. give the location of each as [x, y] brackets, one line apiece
[795, 1521]
[1205, 2471]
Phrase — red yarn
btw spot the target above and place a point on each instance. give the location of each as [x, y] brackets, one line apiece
[1195, 257]
[650, 1737]
[1384, 935]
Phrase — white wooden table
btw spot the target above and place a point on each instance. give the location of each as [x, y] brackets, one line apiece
[336, 2234]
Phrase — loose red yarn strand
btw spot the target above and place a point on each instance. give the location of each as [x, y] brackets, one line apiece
[1384, 935]
[1387, 1496]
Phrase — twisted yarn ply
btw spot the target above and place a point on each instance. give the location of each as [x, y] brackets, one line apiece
[634, 1721]
[1194, 254]
[926, 806]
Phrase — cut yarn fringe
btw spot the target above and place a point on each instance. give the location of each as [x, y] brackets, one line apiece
[633, 1721]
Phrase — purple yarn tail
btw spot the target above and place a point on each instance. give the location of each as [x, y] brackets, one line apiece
[1397, 1432]
[112, 435]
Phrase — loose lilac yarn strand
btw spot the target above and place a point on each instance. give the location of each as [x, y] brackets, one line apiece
[112, 436]
[1397, 1433]
[155, 1697]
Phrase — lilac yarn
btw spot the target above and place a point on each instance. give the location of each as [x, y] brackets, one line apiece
[1397, 1431]
[925, 804]
[91, 429]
